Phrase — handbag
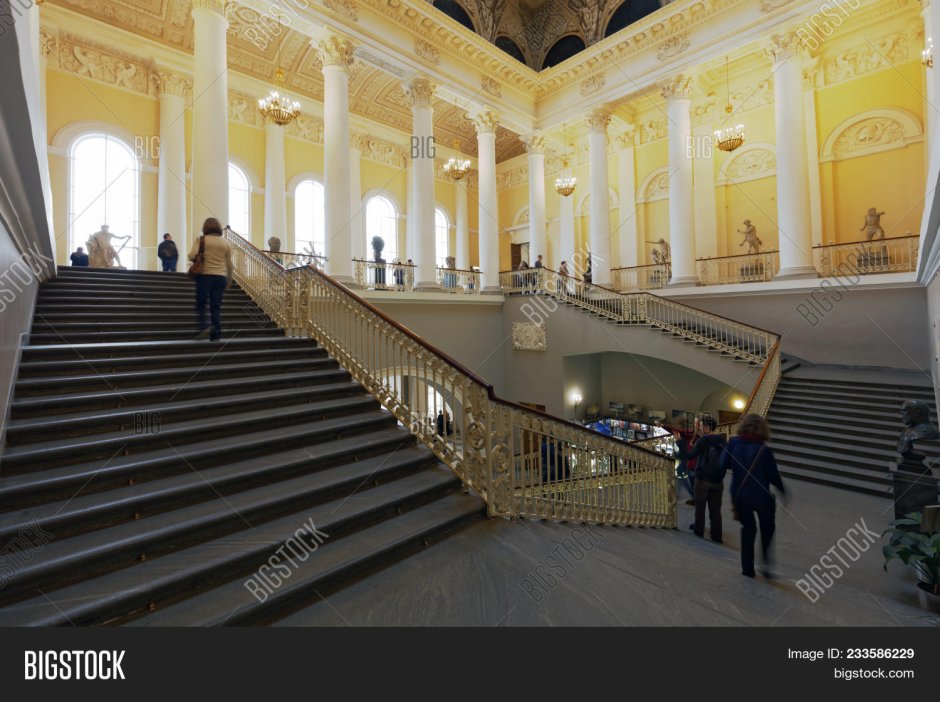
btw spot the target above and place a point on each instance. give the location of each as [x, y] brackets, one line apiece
[200, 260]
[734, 506]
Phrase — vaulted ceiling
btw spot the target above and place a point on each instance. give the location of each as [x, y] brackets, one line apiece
[374, 94]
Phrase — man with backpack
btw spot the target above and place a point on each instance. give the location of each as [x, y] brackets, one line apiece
[709, 477]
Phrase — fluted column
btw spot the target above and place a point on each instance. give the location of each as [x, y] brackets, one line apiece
[538, 241]
[677, 92]
[171, 179]
[600, 197]
[275, 188]
[485, 124]
[626, 177]
[794, 222]
[462, 222]
[419, 92]
[210, 113]
[336, 54]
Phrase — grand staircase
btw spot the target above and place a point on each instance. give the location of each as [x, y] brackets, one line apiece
[839, 427]
[148, 478]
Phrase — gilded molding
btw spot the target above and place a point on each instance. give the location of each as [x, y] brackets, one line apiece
[419, 92]
[534, 143]
[486, 122]
[673, 46]
[679, 87]
[427, 51]
[335, 50]
[593, 84]
[598, 121]
[170, 83]
[491, 86]
[347, 8]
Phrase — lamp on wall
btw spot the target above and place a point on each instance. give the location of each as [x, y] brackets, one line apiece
[565, 183]
[576, 400]
[926, 56]
[278, 108]
[739, 404]
[729, 138]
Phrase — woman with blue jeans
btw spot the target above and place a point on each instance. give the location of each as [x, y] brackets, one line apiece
[753, 472]
[215, 277]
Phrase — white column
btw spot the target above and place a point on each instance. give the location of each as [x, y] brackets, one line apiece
[931, 14]
[410, 216]
[355, 198]
[566, 233]
[336, 54]
[703, 193]
[626, 182]
[794, 223]
[538, 240]
[812, 152]
[485, 124]
[275, 187]
[462, 224]
[600, 198]
[210, 113]
[171, 179]
[419, 92]
[677, 92]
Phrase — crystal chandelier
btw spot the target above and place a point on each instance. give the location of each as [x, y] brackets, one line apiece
[729, 138]
[565, 183]
[278, 108]
[457, 167]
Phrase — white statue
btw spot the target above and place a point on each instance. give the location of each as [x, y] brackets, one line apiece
[872, 226]
[101, 253]
[750, 237]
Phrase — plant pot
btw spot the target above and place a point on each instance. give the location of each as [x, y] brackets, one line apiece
[928, 600]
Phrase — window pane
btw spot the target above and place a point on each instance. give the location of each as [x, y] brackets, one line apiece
[382, 220]
[309, 225]
[239, 201]
[441, 238]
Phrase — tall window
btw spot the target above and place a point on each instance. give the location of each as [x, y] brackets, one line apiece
[239, 201]
[309, 224]
[104, 179]
[441, 237]
[382, 220]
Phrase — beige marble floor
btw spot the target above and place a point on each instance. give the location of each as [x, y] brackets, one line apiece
[487, 575]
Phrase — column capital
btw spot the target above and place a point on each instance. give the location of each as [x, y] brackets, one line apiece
[485, 122]
[419, 92]
[678, 87]
[598, 120]
[534, 144]
[169, 82]
[334, 50]
[216, 6]
[783, 46]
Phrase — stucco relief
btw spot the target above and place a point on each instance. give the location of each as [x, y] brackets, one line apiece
[656, 186]
[528, 336]
[878, 54]
[593, 84]
[100, 65]
[868, 134]
[242, 109]
[756, 162]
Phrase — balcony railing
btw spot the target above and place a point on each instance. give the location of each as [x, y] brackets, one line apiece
[742, 268]
[459, 281]
[383, 276]
[650, 277]
[522, 462]
[895, 255]
[296, 260]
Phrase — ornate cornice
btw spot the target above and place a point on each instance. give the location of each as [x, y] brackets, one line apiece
[419, 92]
[491, 86]
[678, 87]
[334, 50]
[427, 51]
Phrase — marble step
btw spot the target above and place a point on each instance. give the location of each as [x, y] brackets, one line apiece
[110, 350]
[68, 337]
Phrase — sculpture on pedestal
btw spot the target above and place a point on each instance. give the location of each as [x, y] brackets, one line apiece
[914, 484]
[101, 254]
[378, 243]
[274, 244]
[872, 226]
[917, 427]
[663, 254]
[750, 237]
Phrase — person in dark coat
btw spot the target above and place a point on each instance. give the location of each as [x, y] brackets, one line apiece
[168, 253]
[708, 487]
[79, 258]
[753, 472]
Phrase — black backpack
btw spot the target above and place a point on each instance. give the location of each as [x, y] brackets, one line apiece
[708, 466]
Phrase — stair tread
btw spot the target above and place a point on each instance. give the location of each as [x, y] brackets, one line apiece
[164, 344]
[146, 576]
[835, 481]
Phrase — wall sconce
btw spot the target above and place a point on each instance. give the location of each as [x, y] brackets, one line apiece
[926, 56]
[739, 404]
[576, 399]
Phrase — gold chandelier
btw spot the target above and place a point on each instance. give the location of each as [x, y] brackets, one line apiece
[729, 138]
[565, 183]
[278, 108]
[457, 167]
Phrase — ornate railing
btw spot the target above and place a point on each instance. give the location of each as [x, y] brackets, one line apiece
[523, 462]
[459, 281]
[895, 255]
[372, 275]
[753, 344]
[295, 260]
[742, 268]
[650, 277]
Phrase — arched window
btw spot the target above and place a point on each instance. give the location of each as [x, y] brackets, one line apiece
[239, 201]
[309, 224]
[510, 47]
[455, 10]
[104, 188]
[382, 220]
[564, 48]
[441, 237]
[628, 13]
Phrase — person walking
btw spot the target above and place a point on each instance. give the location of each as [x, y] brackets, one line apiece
[168, 253]
[79, 258]
[753, 472]
[213, 279]
[708, 484]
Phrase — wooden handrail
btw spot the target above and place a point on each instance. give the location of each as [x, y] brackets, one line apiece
[866, 241]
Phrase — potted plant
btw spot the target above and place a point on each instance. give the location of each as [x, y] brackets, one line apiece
[919, 550]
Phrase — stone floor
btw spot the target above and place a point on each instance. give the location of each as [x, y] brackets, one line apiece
[486, 576]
